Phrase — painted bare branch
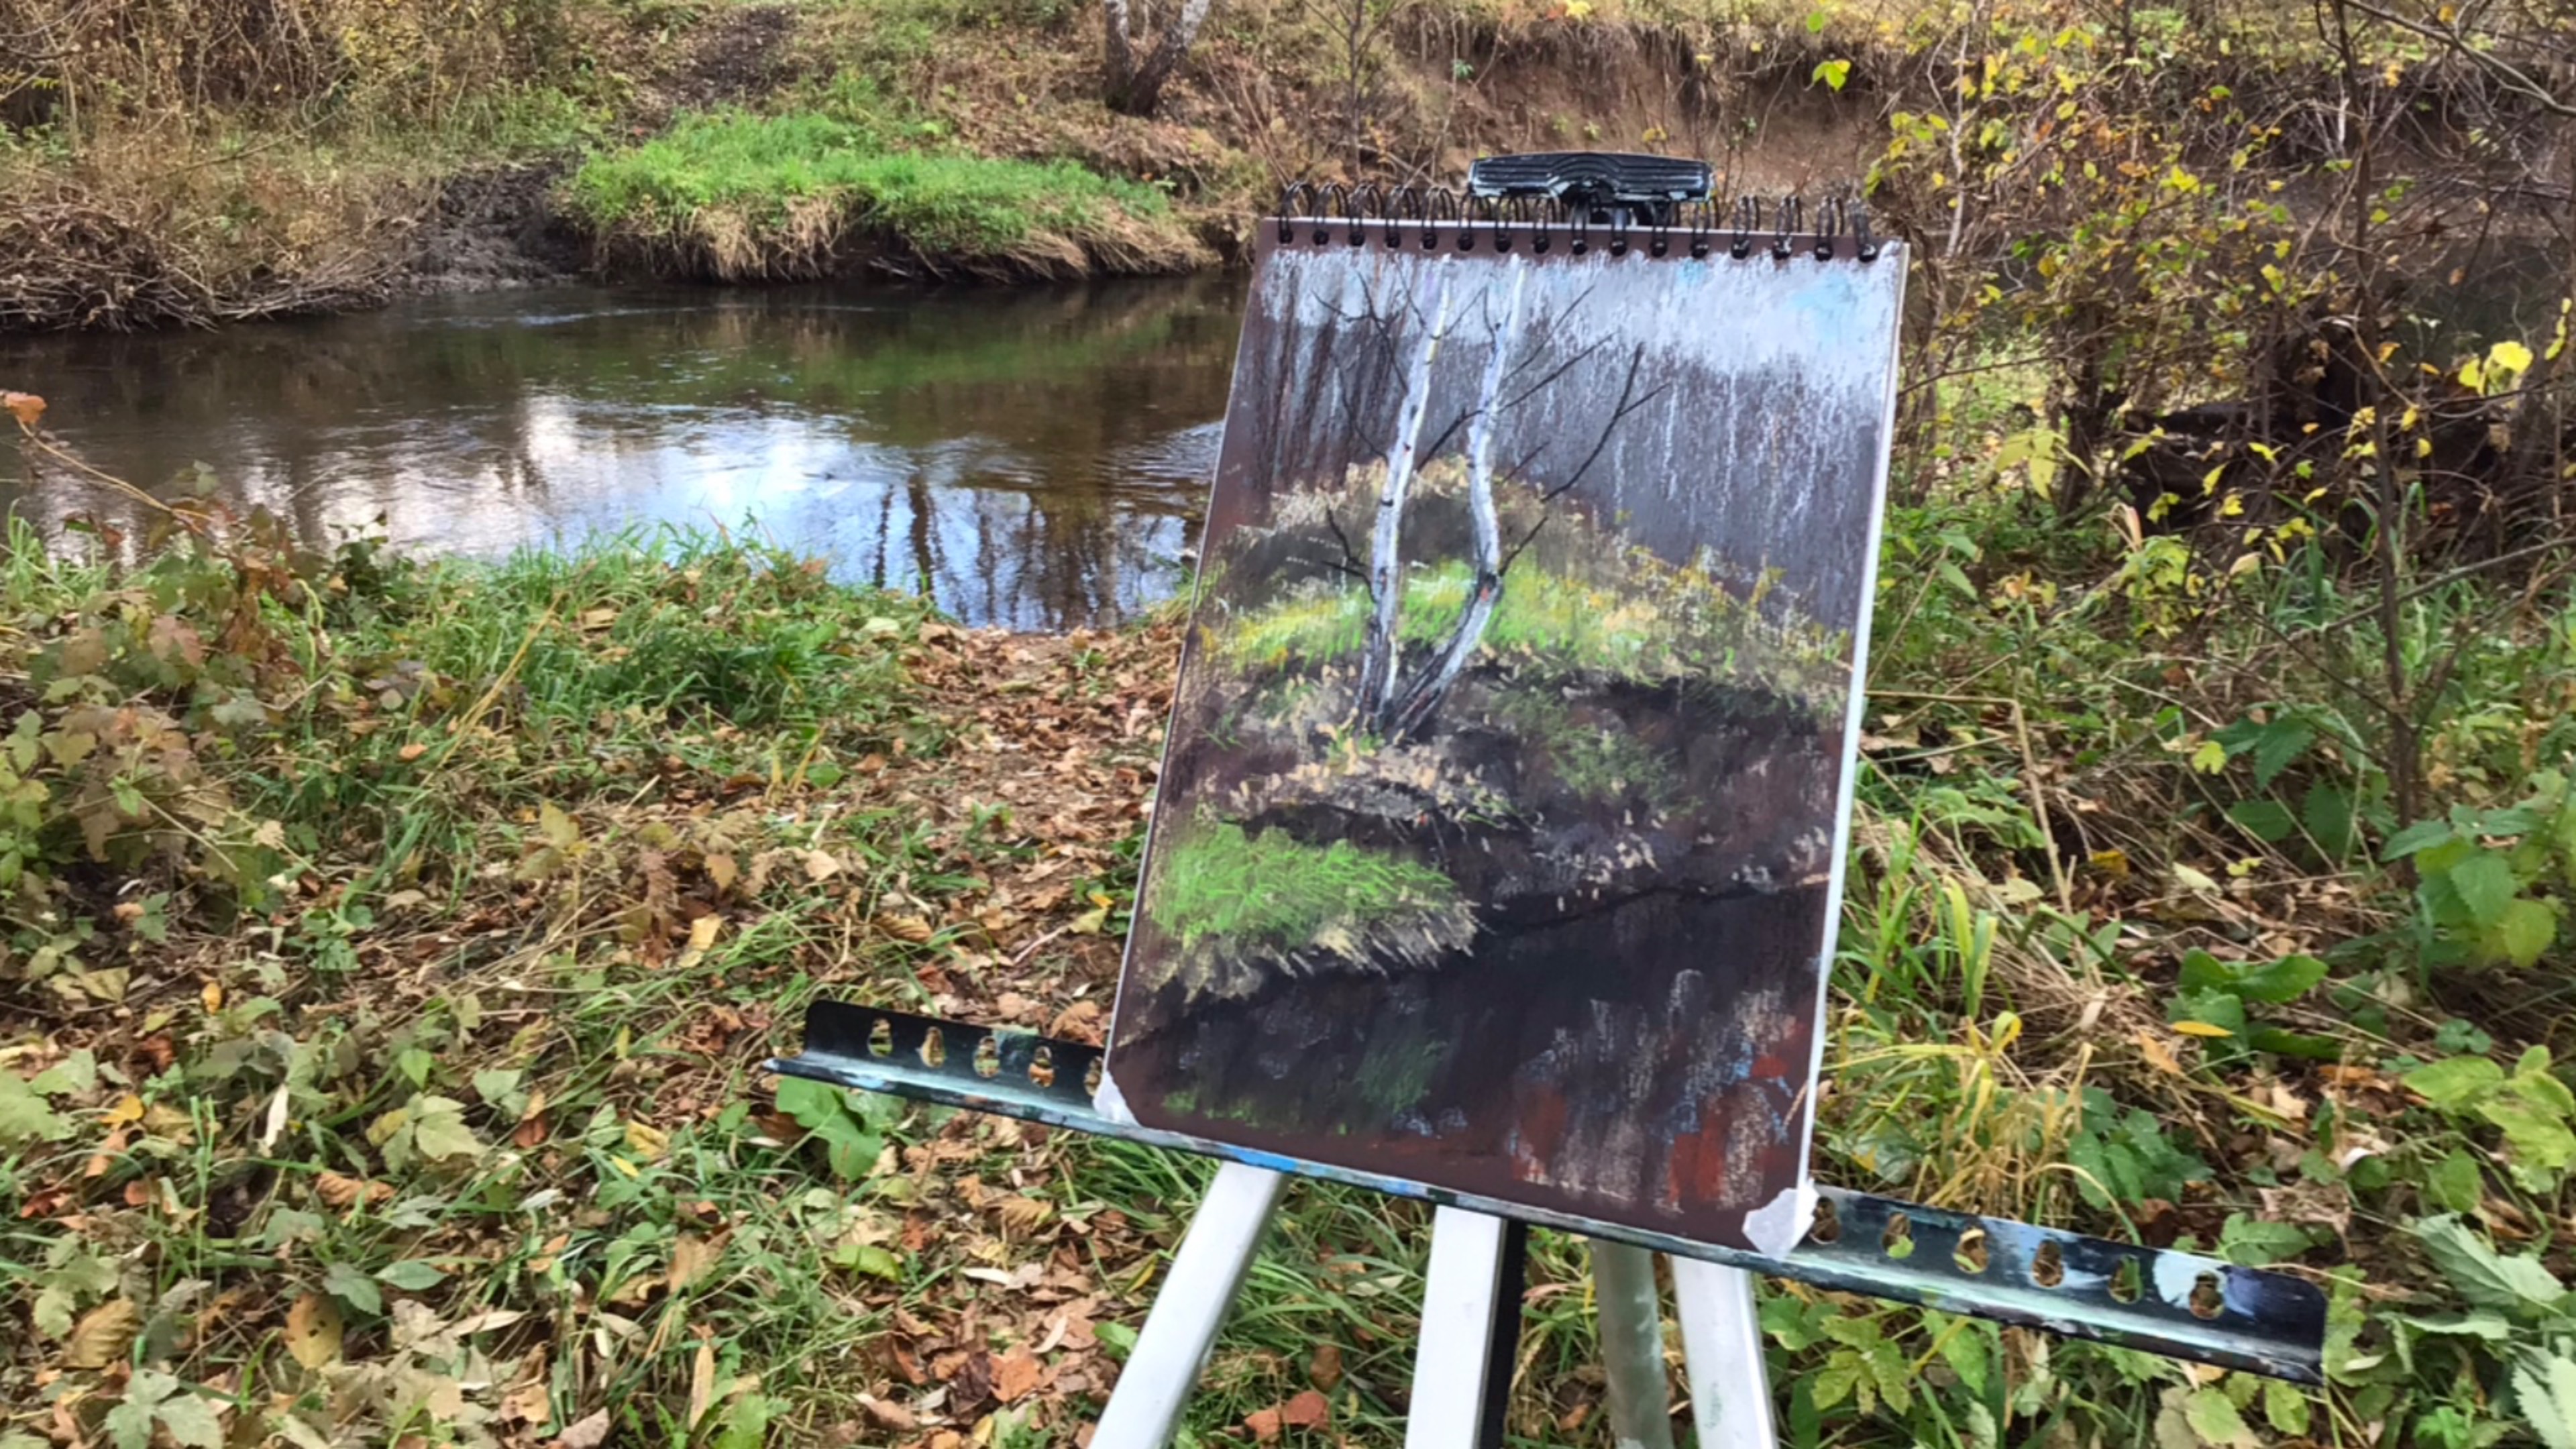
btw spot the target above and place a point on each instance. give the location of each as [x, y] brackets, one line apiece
[1421, 699]
[1386, 541]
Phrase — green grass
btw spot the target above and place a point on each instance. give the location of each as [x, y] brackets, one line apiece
[1224, 885]
[761, 192]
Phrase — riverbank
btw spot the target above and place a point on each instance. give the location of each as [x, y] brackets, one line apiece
[391, 946]
[735, 142]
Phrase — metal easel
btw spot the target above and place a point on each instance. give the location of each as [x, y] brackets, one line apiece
[2178, 1304]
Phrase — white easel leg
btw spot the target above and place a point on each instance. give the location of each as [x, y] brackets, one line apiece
[1214, 1256]
[1722, 1346]
[1632, 1346]
[1460, 1296]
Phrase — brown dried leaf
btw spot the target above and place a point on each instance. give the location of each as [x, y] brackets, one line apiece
[590, 1433]
[1016, 1374]
[26, 407]
[340, 1190]
[1324, 1370]
[906, 928]
[1308, 1410]
[1264, 1424]
[889, 1415]
[691, 1255]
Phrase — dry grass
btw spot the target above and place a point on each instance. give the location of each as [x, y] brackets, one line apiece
[157, 229]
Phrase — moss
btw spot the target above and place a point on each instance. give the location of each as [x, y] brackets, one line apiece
[1222, 885]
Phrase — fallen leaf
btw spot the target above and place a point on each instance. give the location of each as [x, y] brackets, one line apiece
[340, 1190]
[26, 407]
[1308, 1410]
[2201, 1028]
[1015, 1375]
[889, 1415]
[649, 1141]
[690, 1256]
[2158, 1055]
[528, 1403]
[411, 752]
[1324, 1370]
[313, 1329]
[1264, 1424]
[590, 1433]
[103, 1335]
[702, 1379]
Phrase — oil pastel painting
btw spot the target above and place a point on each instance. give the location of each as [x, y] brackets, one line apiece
[1497, 841]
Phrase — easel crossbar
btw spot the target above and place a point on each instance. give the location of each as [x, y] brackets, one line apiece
[2180, 1305]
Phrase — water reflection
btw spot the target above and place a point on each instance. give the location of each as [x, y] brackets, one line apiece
[1034, 457]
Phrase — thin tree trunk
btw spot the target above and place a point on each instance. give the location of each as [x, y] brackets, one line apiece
[1423, 697]
[1118, 54]
[1136, 88]
[1386, 540]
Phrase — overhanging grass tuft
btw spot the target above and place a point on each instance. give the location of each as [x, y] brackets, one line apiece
[1250, 891]
[741, 197]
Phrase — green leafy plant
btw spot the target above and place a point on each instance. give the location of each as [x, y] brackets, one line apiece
[2221, 999]
[2124, 1157]
[2492, 887]
[2531, 1107]
[850, 1125]
[2520, 1320]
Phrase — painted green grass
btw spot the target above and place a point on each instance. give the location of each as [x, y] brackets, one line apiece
[1225, 884]
[1557, 626]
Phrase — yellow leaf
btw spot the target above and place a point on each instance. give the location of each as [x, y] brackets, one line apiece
[2508, 356]
[2473, 375]
[313, 1330]
[702, 1382]
[103, 1335]
[2210, 758]
[1577, 9]
[557, 827]
[1091, 922]
[213, 996]
[2158, 1055]
[649, 1141]
[2200, 1028]
[126, 1110]
[702, 932]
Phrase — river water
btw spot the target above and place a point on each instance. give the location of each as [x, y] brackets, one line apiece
[1034, 457]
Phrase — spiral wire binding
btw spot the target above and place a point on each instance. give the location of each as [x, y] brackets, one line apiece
[1329, 213]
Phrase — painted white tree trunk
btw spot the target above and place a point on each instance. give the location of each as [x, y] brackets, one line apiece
[1386, 540]
[1422, 698]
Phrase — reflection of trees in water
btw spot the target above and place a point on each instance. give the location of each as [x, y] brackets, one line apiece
[477, 424]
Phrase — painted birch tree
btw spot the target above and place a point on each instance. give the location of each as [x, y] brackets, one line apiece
[1398, 710]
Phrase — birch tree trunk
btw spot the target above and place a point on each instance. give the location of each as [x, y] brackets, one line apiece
[1135, 87]
[1421, 700]
[1386, 540]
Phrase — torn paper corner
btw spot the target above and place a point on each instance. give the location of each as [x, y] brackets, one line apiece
[1110, 1103]
[1773, 1228]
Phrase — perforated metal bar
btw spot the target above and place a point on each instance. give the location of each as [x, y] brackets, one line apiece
[2178, 1304]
